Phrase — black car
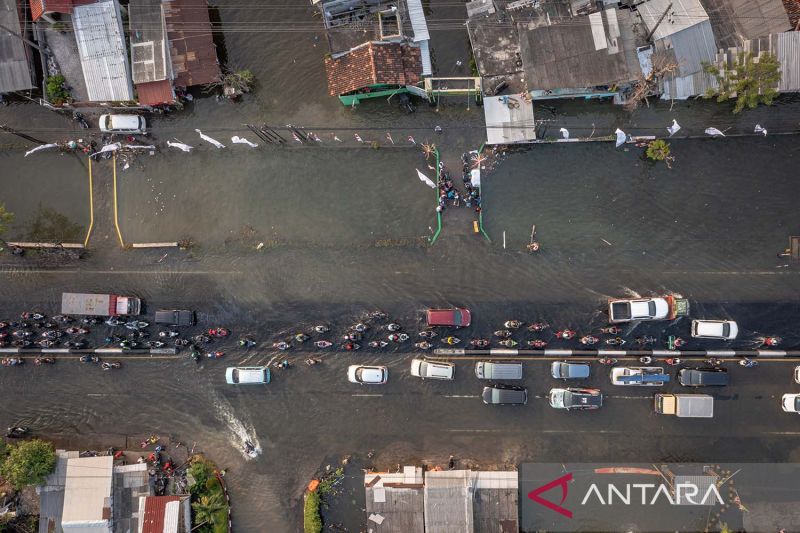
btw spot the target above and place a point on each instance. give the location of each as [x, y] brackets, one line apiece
[500, 394]
[175, 317]
[703, 377]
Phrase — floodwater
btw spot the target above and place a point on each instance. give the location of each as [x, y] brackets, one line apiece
[344, 233]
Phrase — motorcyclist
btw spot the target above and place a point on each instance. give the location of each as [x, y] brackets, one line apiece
[538, 344]
[427, 334]
[538, 326]
[423, 345]
[512, 324]
[452, 341]
[479, 343]
[360, 327]
[508, 343]
[394, 327]
[215, 355]
[321, 329]
[247, 342]
[281, 345]
[502, 333]
[301, 337]
[323, 344]
[589, 339]
[565, 334]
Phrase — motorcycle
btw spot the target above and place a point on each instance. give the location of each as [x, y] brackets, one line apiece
[508, 343]
[22, 334]
[31, 316]
[323, 344]
[565, 334]
[351, 346]
[301, 337]
[155, 344]
[360, 327]
[219, 332]
[589, 339]
[3, 325]
[52, 334]
[748, 363]
[46, 343]
[424, 345]
[377, 315]
[427, 334]
[202, 339]
[76, 344]
[608, 361]
[394, 337]
[771, 341]
[111, 365]
[502, 333]
[247, 343]
[195, 355]
[377, 344]
[21, 343]
[89, 359]
[16, 432]
[136, 324]
[20, 325]
[512, 324]
[128, 345]
[181, 342]
[646, 360]
[538, 326]
[215, 355]
[321, 329]
[281, 345]
[452, 341]
[12, 361]
[91, 321]
[80, 119]
[539, 344]
[616, 341]
[394, 327]
[64, 319]
[114, 321]
[479, 343]
[113, 339]
[48, 325]
[644, 341]
[353, 336]
[673, 361]
[610, 330]
[168, 334]
[311, 361]
[3, 334]
[714, 361]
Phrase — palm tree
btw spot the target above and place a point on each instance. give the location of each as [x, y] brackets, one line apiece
[206, 509]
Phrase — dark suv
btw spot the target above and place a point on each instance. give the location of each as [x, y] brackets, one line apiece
[703, 377]
[500, 394]
[175, 317]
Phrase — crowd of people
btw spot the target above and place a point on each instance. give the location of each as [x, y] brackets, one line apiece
[448, 194]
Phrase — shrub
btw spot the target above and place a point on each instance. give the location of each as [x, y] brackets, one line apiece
[56, 90]
[749, 81]
[29, 463]
[312, 521]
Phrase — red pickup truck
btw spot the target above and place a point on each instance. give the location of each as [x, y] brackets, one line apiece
[456, 317]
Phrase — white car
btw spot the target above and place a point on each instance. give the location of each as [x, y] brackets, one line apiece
[122, 124]
[791, 403]
[797, 374]
[367, 375]
[628, 310]
[714, 329]
[432, 369]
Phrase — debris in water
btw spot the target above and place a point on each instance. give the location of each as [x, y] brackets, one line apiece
[714, 132]
[674, 128]
[564, 133]
[759, 129]
[241, 140]
[210, 139]
[605, 241]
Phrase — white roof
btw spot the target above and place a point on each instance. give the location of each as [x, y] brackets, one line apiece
[101, 46]
[417, 16]
[87, 494]
[683, 14]
[507, 125]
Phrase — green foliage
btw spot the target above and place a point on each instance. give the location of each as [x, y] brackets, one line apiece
[6, 218]
[200, 472]
[57, 90]
[208, 499]
[211, 511]
[749, 81]
[312, 521]
[658, 150]
[326, 485]
[28, 463]
[242, 81]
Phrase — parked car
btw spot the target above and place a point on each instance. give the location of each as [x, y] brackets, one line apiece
[791, 403]
[367, 375]
[567, 370]
[122, 124]
[498, 370]
[797, 374]
[715, 329]
[499, 394]
[628, 310]
[247, 375]
[175, 317]
[649, 376]
[432, 369]
[569, 399]
[455, 317]
[703, 377]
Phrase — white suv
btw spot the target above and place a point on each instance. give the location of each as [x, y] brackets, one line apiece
[715, 329]
[122, 124]
[432, 369]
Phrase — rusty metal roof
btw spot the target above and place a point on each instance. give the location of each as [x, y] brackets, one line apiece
[373, 63]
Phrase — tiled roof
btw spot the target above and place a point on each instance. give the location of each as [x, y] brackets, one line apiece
[192, 49]
[155, 92]
[371, 64]
[155, 508]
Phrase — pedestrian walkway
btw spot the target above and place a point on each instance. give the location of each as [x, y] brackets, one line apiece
[103, 228]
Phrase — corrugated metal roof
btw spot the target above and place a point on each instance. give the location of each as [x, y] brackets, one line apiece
[148, 33]
[15, 74]
[161, 514]
[87, 491]
[192, 49]
[683, 14]
[101, 45]
[155, 93]
[425, 56]
[787, 50]
[448, 501]
[692, 46]
[417, 16]
[683, 87]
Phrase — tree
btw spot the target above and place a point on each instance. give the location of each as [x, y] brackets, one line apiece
[207, 509]
[57, 92]
[29, 463]
[312, 521]
[644, 86]
[751, 80]
[659, 150]
[6, 218]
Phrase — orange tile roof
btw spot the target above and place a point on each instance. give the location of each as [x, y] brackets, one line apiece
[371, 64]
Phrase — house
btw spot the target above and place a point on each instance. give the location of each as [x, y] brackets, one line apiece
[736, 21]
[165, 514]
[15, 66]
[192, 51]
[45, 9]
[373, 69]
[51, 494]
[87, 495]
[384, 43]
[509, 119]
[151, 65]
[395, 501]
[681, 32]
[102, 51]
[783, 46]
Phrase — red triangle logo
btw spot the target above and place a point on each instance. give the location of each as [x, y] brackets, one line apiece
[560, 482]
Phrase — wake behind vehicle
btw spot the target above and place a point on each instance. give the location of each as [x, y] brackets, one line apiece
[634, 309]
[647, 376]
[247, 375]
[175, 317]
[455, 318]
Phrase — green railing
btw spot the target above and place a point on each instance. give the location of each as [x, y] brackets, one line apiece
[436, 192]
[480, 215]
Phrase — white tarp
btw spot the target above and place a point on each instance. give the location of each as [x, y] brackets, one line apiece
[674, 128]
[475, 177]
[714, 132]
[621, 137]
[426, 180]
[40, 148]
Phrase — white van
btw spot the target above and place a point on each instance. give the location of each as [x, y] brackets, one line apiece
[122, 124]
[432, 369]
[715, 329]
[247, 375]
[498, 370]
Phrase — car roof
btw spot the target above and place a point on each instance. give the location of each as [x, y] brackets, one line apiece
[574, 370]
[705, 376]
[371, 373]
[574, 397]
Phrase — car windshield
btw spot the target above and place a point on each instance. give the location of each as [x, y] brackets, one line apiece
[235, 375]
[797, 403]
[651, 308]
[726, 330]
[457, 317]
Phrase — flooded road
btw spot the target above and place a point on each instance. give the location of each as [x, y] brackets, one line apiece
[344, 232]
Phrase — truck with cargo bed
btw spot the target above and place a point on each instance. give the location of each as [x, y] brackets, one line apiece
[685, 405]
[74, 303]
[658, 308]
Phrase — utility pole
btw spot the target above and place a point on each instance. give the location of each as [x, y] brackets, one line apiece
[660, 20]
[21, 38]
